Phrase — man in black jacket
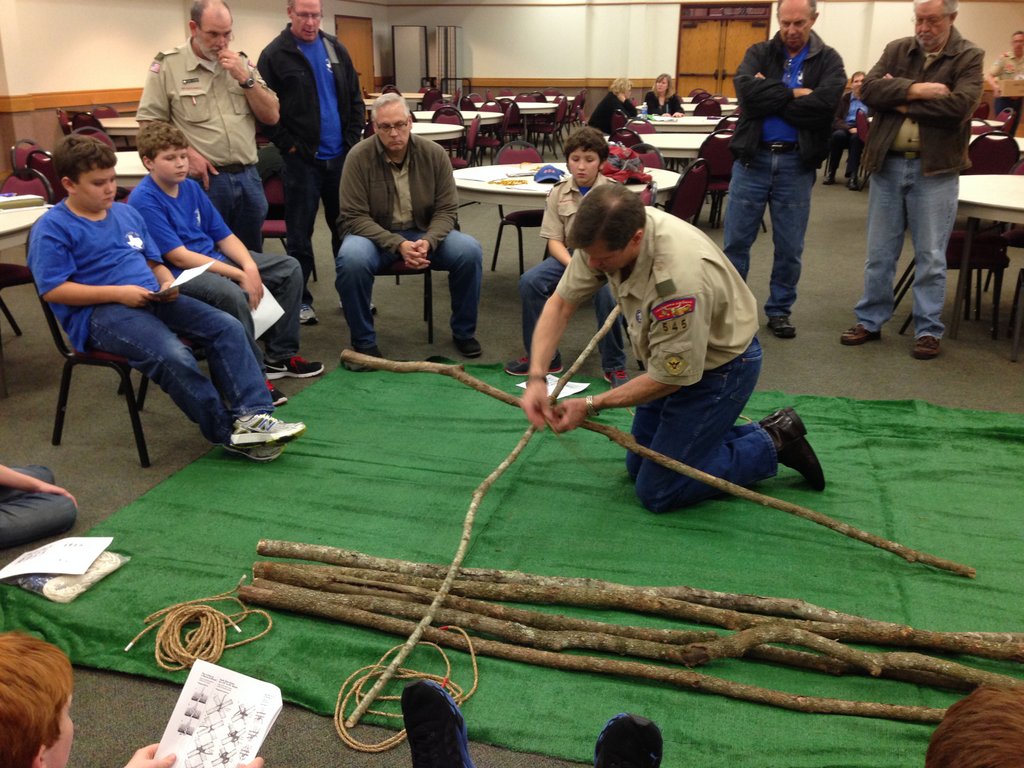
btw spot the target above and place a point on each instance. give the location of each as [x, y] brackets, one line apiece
[788, 89]
[321, 119]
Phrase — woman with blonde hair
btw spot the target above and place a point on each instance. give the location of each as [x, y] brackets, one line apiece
[661, 99]
[617, 98]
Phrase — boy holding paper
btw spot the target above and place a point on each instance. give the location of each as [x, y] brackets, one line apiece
[94, 263]
[189, 232]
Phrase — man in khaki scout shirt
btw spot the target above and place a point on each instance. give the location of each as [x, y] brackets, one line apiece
[214, 95]
[692, 322]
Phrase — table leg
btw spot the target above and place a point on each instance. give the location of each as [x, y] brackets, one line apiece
[961, 281]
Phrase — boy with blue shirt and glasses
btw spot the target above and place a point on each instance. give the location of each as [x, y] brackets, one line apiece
[189, 232]
[97, 267]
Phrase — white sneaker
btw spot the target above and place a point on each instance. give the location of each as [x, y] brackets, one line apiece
[263, 429]
[307, 316]
[261, 453]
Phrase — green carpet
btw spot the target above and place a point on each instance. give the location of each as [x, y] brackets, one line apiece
[388, 467]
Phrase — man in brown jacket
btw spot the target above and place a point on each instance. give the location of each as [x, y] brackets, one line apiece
[922, 92]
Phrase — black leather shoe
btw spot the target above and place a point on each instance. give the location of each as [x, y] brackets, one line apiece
[468, 347]
[787, 431]
[853, 184]
[781, 327]
[830, 178]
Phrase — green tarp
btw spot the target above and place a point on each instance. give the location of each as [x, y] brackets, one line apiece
[388, 467]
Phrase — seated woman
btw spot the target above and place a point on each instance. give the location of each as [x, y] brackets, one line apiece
[659, 101]
[616, 98]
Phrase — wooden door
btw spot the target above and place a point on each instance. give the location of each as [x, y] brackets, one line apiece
[712, 43]
[356, 34]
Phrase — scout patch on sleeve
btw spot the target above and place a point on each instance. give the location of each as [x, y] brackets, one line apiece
[155, 67]
[669, 310]
[675, 365]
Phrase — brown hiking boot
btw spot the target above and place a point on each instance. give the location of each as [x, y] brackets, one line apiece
[925, 348]
[853, 337]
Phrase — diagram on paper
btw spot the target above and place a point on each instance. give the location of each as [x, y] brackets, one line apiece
[221, 718]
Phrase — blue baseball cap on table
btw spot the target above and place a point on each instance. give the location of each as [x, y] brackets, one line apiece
[549, 174]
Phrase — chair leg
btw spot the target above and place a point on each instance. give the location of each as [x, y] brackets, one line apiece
[428, 305]
[903, 285]
[519, 235]
[997, 289]
[62, 403]
[10, 318]
[3, 373]
[133, 413]
[1018, 313]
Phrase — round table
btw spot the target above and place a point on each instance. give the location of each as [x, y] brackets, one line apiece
[486, 118]
[688, 124]
[438, 131]
[675, 146]
[120, 126]
[479, 185]
[129, 168]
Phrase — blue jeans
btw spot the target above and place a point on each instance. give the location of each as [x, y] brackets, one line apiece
[281, 276]
[306, 183]
[782, 182]
[359, 260]
[148, 337]
[27, 516]
[536, 286]
[240, 200]
[902, 196]
[696, 425]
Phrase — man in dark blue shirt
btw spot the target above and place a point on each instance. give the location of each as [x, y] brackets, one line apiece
[321, 119]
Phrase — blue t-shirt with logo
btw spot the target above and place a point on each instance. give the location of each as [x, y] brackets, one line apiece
[330, 119]
[67, 247]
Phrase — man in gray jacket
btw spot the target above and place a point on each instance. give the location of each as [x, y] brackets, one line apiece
[922, 92]
[398, 201]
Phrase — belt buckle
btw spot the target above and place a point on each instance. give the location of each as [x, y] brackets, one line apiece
[776, 146]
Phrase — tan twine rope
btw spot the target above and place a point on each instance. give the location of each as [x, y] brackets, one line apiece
[194, 630]
[355, 689]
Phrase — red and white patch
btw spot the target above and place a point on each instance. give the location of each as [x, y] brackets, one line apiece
[669, 310]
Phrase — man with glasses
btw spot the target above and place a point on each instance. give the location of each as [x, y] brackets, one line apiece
[321, 119]
[788, 89]
[922, 92]
[215, 95]
[398, 201]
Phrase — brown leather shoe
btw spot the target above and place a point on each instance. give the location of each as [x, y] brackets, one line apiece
[925, 348]
[853, 337]
[787, 431]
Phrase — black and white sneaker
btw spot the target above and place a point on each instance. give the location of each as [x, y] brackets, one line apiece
[628, 741]
[296, 367]
[434, 725]
[277, 397]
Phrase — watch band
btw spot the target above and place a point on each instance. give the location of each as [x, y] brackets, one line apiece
[251, 82]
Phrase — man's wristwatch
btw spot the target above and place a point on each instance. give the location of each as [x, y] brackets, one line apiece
[591, 408]
[248, 83]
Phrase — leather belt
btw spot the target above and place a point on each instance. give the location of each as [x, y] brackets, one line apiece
[231, 168]
[779, 146]
[904, 155]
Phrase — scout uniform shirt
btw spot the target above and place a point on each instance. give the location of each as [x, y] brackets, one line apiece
[562, 203]
[209, 107]
[686, 307]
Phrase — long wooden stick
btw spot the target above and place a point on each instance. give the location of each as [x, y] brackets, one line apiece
[630, 444]
[296, 599]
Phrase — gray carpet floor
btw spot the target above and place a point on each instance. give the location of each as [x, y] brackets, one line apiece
[97, 460]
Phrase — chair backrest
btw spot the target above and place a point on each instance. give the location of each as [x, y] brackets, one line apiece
[549, 92]
[707, 107]
[85, 119]
[727, 122]
[430, 98]
[1007, 116]
[20, 151]
[641, 126]
[524, 97]
[40, 160]
[490, 106]
[64, 121]
[448, 116]
[466, 104]
[863, 126]
[688, 198]
[618, 119]
[625, 137]
[26, 181]
[715, 150]
[1018, 169]
[518, 152]
[513, 117]
[476, 98]
[695, 91]
[471, 135]
[390, 88]
[992, 152]
[96, 133]
[506, 92]
[273, 190]
[699, 95]
[105, 110]
[981, 112]
[979, 126]
[650, 155]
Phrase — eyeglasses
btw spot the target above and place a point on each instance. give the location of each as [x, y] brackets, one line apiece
[929, 21]
[392, 127]
[228, 36]
[309, 16]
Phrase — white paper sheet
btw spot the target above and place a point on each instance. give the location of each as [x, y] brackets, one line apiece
[571, 388]
[72, 555]
[185, 276]
[221, 718]
[266, 314]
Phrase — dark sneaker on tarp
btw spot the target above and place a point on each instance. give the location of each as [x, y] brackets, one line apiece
[434, 726]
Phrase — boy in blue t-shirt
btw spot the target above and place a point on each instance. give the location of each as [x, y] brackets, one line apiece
[94, 263]
[188, 232]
